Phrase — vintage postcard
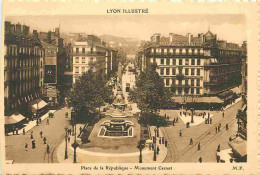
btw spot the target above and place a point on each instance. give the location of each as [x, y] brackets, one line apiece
[141, 87]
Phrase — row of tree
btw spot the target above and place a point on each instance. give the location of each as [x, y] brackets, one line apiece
[150, 96]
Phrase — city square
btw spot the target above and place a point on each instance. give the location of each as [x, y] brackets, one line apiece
[83, 98]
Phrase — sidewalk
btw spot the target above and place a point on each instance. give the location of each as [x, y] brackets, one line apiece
[32, 124]
[197, 119]
[85, 156]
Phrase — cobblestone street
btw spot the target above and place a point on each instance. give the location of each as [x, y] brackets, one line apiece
[54, 133]
[179, 149]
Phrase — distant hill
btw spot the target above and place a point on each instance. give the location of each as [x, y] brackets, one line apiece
[128, 45]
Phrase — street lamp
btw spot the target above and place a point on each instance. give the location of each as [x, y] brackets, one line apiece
[192, 110]
[75, 144]
[66, 147]
[140, 146]
[154, 155]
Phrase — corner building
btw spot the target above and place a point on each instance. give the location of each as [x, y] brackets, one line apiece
[193, 65]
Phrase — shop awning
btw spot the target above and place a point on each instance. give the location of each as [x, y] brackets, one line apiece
[236, 90]
[197, 99]
[38, 104]
[14, 118]
[239, 146]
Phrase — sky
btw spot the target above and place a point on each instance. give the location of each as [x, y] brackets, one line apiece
[227, 27]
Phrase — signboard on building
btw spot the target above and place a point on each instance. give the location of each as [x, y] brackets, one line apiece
[50, 61]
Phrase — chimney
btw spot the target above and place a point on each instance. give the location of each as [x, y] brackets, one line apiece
[35, 33]
[25, 30]
[171, 37]
[7, 27]
[189, 38]
[18, 28]
[202, 37]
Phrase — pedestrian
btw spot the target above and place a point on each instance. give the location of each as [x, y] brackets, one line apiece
[208, 114]
[200, 160]
[33, 144]
[160, 140]
[199, 146]
[44, 140]
[23, 131]
[218, 158]
[150, 147]
[48, 149]
[69, 139]
[16, 129]
[230, 139]
[31, 136]
[13, 130]
[166, 142]
[40, 120]
[218, 149]
[191, 141]
[174, 120]
[37, 122]
[210, 120]
[153, 139]
[26, 147]
[226, 126]
[47, 123]
[158, 150]
[180, 133]
[173, 123]
[223, 114]
[205, 121]
[180, 113]
[177, 119]
[41, 134]
[216, 129]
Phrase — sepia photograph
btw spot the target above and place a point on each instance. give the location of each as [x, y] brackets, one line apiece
[125, 89]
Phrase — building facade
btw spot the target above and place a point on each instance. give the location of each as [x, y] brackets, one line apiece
[23, 53]
[91, 53]
[193, 65]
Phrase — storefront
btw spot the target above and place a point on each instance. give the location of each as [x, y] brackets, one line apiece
[14, 121]
[38, 107]
[239, 149]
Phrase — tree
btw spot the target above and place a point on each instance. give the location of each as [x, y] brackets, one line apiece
[88, 94]
[149, 93]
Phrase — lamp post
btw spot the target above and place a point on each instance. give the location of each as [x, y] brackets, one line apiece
[66, 139]
[140, 146]
[154, 155]
[192, 111]
[75, 144]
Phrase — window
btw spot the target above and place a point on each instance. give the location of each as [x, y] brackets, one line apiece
[192, 82]
[179, 90]
[198, 61]
[197, 90]
[167, 82]
[173, 61]
[192, 61]
[41, 64]
[186, 90]
[186, 71]
[192, 90]
[180, 61]
[167, 61]
[180, 82]
[83, 50]
[83, 60]
[41, 74]
[173, 71]
[192, 71]
[161, 71]
[198, 71]
[162, 61]
[167, 71]
[186, 82]
[186, 61]
[180, 71]
[198, 82]
[77, 60]
[173, 82]
[76, 69]
[77, 50]
[91, 50]
[83, 70]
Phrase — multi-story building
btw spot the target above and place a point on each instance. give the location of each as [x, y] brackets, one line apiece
[193, 65]
[50, 74]
[91, 54]
[22, 72]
